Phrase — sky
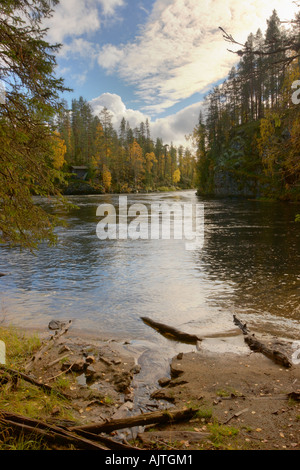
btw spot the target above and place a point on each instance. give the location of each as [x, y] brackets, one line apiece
[154, 59]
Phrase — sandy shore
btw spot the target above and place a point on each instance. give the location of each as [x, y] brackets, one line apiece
[231, 386]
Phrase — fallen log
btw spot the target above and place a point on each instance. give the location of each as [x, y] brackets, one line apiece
[165, 416]
[47, 388]
[58, 434]
[48, 433]
[242, 326]
[171, 332]
[47, 346]
[257, 346]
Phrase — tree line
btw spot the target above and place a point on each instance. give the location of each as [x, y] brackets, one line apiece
[248, 137]
[250, 132]
[121, 160]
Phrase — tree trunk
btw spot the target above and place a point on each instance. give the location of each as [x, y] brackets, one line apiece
[172, 333]
[165, 416]
[255, 345]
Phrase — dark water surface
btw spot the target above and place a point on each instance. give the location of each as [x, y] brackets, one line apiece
[249, 266]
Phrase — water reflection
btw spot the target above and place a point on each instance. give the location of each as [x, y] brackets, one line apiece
[248, 266]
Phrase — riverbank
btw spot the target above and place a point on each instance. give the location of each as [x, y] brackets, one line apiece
[246, 400]
[78, 187]
[242, 399]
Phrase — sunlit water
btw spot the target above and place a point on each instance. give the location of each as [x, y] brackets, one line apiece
[249, 266]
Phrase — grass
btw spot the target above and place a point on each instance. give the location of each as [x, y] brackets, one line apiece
[22, 398]
[19, 347]
[204, 414]
[223, 393]
[27, 400]
[62, 382]
[8, 442]
[222, 436]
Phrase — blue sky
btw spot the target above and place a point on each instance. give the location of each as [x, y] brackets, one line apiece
[152, 59]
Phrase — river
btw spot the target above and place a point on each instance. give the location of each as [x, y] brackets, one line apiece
[248, 266]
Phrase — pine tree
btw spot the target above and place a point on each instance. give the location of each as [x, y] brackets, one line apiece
[274, 42]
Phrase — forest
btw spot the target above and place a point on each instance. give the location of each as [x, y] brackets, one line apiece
[246, 142]
[248, 135]
[118, 161]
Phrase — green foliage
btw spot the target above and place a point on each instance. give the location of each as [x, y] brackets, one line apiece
[27, 63]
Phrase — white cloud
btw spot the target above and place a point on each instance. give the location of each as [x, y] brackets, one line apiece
[175, 127]
[118, 109]
[109, 57]
[80, 78]
[73, 18]
[79, 47]
[171, 129]
[180, 50]
[109, 6]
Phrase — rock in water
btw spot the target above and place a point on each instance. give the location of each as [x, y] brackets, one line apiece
[56, 325]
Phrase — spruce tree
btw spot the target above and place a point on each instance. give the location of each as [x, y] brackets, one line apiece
[27, 71]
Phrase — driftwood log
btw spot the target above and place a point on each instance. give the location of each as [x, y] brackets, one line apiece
[37, 356]
[256, 345]
[171, 332]
[55, 435]
[20, 375]
[165, 416]
[50, 434]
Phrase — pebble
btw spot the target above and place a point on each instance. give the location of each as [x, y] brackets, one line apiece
[90, 360]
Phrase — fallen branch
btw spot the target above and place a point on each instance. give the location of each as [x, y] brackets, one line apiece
[47, 346]
[169, 331]
[57, 435]
[165, 416]
[236, 415]
[50, 434]
[61, 373]
[32, 381]
[48, 366]
[255, 345]
[242, 326]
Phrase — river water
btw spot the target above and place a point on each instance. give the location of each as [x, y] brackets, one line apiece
[248, 266]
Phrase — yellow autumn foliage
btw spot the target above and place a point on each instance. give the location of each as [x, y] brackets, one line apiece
[59, 151]
[176, 176]
[106, 178]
